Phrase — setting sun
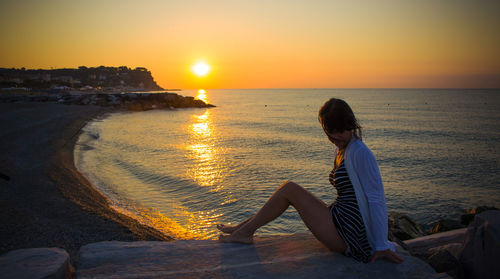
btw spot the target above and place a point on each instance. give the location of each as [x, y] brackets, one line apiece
[201, 69]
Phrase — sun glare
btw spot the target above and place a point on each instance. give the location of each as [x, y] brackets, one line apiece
[201, 69]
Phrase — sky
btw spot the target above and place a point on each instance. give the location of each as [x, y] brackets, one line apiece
[263, 44]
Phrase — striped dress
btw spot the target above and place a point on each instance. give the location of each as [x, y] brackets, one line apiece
[346, 216]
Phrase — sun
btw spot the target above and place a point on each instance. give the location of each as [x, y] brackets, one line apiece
[201, 69]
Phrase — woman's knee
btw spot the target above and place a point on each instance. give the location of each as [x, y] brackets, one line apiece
[289, 186]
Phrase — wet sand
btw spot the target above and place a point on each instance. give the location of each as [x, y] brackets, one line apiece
[44, 200]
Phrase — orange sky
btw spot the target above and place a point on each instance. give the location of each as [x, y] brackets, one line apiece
[263, 44]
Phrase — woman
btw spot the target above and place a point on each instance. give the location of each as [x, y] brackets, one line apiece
[356, 223]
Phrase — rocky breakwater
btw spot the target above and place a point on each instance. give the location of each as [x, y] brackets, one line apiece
[130, 101]
[465, 248]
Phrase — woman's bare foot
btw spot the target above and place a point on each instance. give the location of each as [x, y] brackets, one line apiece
[227, 229]
[237, 238]
[230, 229]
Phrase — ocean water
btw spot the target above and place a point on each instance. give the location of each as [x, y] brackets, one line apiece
[183, 171]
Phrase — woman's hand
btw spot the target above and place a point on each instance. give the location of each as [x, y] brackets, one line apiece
[388, 255]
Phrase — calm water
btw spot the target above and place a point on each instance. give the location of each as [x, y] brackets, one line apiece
[183, 171]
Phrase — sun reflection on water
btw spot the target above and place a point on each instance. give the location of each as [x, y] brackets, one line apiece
[202, 95]
[204, 151]
[209, 169]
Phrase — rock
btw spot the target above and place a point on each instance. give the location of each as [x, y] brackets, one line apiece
[453, 248]
[114, 100]
[444, 261]
[403, 227]
[469, 215]
[481, 251]
[421, 246]
[52, 98]
[467, 218]
[169, 97]
[4, 176]
[293, 256]
[36, 263]
[445, 225]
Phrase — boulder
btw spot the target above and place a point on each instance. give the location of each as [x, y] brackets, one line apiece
[453, 248]
[481, 251]
[445, 225]
[420, 246]
[403, 227]
[36, 263]
[85, 101]
[290, 256]
[444, 261]
[469, 215]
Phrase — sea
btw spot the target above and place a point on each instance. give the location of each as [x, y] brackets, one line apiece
[183, 171]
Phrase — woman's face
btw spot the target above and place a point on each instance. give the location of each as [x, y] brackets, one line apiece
[340, 139]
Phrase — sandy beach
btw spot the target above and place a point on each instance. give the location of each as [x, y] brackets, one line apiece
[44, 200]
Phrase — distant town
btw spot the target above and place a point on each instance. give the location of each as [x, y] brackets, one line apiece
[84, 79]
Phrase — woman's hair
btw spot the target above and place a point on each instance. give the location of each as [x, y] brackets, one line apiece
[337, 116]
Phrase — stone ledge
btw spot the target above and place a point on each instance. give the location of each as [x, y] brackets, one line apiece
[35, 263]
[295, 256]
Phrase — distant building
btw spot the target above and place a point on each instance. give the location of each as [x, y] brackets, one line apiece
[16, 80]
[87, 87]
[68, 79]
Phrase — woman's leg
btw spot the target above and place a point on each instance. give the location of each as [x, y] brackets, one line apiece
[313, 211]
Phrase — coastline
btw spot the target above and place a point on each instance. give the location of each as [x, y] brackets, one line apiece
[46, 202]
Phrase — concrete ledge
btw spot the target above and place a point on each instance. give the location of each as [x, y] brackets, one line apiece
[35, 263]
[296, 256]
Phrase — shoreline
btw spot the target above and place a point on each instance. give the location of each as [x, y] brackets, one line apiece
[44, 200]
[87, 196]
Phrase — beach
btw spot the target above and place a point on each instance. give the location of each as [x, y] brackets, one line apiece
[44, 200]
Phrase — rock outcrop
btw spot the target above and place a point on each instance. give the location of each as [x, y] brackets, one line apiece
[445, 225]
[294, 256]
[440, 250]
[36, 263]
[403, 227]
[469, 215]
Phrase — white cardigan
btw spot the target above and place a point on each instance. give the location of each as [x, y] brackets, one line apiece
[364, 173]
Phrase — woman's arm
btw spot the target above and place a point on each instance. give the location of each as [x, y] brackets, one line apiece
[371, 182]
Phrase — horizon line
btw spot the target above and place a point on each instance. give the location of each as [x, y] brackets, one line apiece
[351, 88]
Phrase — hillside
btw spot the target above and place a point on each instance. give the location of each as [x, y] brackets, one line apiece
[83, 78]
